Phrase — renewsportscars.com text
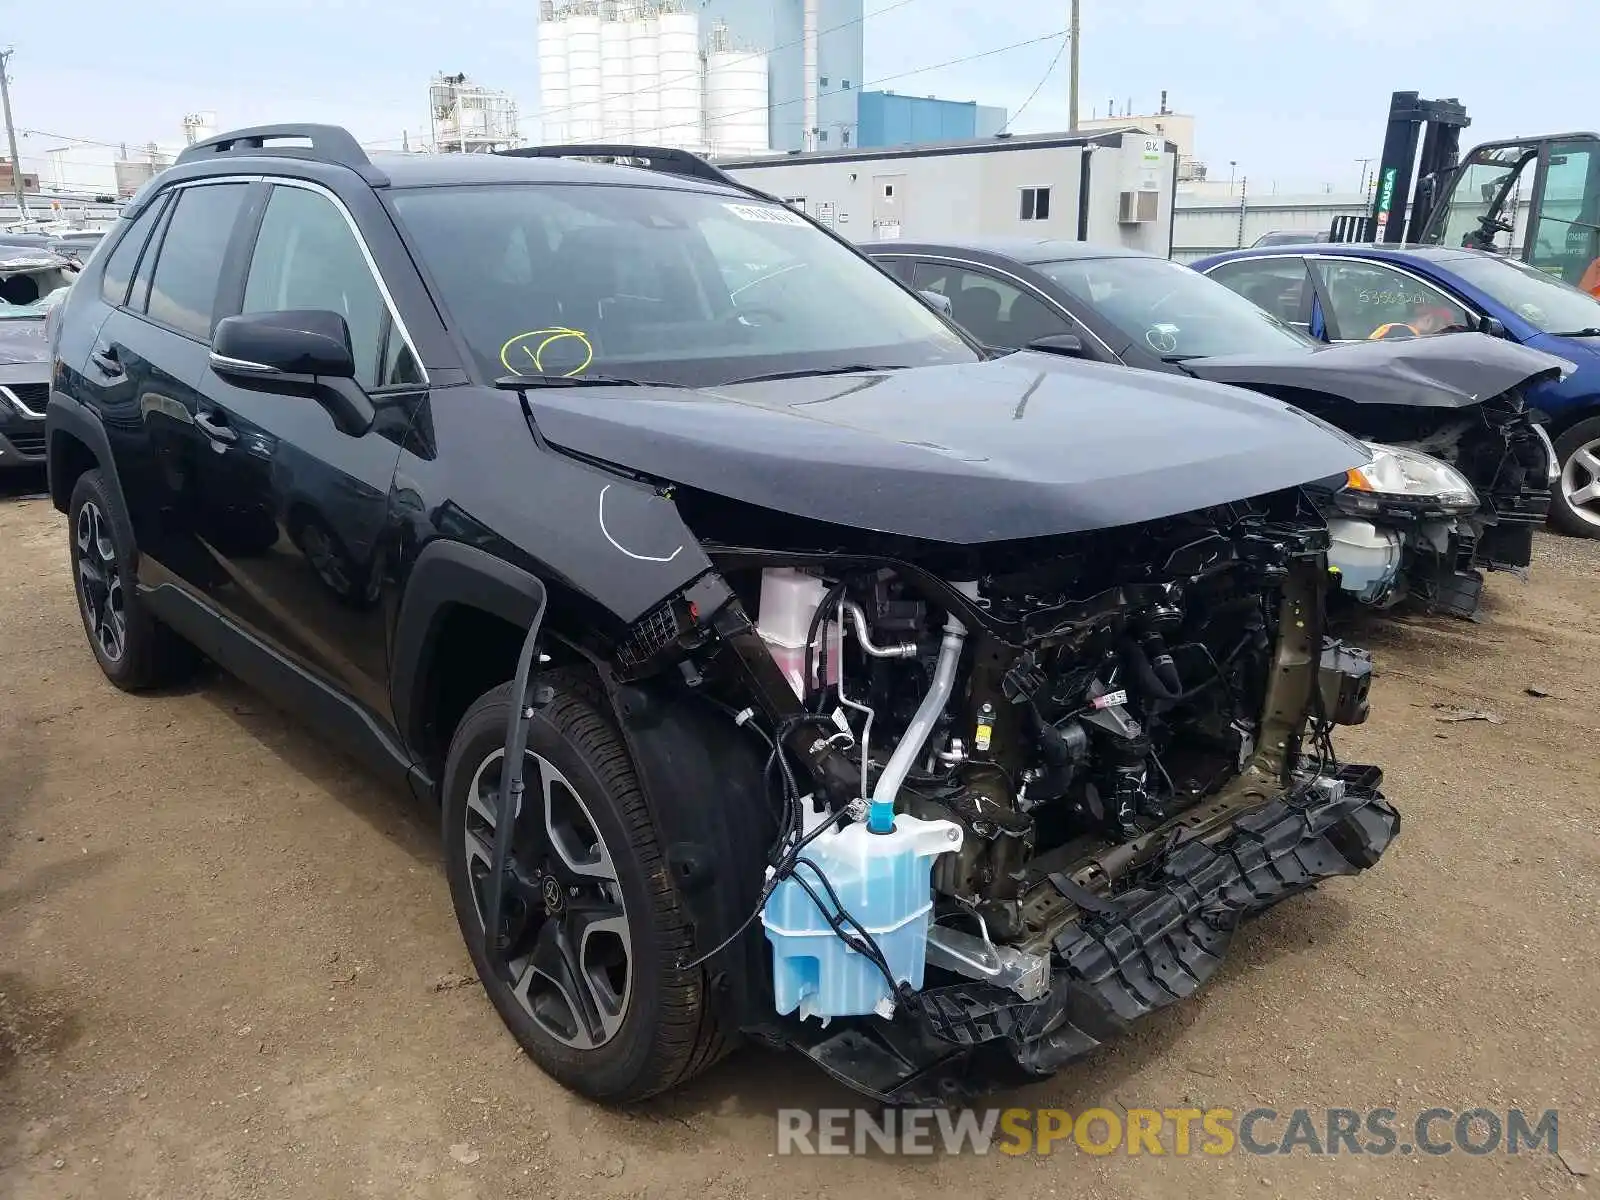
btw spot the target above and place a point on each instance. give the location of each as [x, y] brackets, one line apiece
[1177, 1132]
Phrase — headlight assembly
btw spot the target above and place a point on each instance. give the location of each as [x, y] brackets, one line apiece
[1406, 478]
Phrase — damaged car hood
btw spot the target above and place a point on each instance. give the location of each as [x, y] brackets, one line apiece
[1448, 371]
[1029, 445]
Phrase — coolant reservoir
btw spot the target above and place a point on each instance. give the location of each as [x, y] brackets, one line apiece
[884, 882]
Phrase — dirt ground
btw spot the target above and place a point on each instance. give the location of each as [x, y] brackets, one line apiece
[221, 950]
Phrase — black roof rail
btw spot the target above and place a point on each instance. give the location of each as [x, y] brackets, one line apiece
[327, 143]
[665, 159]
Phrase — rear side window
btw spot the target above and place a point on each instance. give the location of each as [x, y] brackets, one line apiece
[119, 267]
[183, 289]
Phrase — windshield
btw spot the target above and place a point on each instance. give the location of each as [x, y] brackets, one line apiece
[1539, 299]
[659, 285]
[1171, 310]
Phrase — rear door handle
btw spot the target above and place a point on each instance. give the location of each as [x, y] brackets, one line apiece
[216, 426]
[105, 357]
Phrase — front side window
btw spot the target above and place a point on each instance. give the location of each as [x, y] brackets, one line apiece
[995, 312]
[1279, 285]
[183, 289]
[306, 257]
[1171, 311]
[1371, 301]
[657, 284]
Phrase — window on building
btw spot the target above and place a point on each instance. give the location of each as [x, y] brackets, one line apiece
[822, 136]
[888, 191]
[846, 85]
[823, 80]
[1036, 204]
[844, 136]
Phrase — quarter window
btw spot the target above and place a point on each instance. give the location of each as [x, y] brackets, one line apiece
[1370, 301]
[183, 289]
[306, 257]
[1036, 204]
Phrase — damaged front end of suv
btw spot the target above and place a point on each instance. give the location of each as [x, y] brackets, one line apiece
[968, 750]
[1461, 471]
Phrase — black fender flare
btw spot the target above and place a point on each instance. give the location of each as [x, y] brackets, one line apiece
[445, 574]
[67, 415]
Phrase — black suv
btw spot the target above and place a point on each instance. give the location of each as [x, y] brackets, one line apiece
[649, 529]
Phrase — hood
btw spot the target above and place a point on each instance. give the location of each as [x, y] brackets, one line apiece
[22, 341]
[1450, 371]
[1029, 445]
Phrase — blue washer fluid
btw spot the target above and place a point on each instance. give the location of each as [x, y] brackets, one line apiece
[884, 881]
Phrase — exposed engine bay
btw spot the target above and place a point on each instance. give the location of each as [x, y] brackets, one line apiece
[1113, 746]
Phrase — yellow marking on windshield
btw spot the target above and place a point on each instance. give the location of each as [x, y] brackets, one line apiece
[556, 333]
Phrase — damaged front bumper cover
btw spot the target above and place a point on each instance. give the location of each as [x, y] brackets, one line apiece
[1145, 948]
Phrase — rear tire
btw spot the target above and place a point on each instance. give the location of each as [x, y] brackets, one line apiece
[1574, 507]
[134, 650]
[649, 1023]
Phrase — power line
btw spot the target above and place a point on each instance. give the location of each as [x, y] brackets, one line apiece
[1060, 50]
[695, 75]
[966, 58]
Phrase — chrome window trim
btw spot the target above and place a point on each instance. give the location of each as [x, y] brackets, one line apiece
[1022, 285]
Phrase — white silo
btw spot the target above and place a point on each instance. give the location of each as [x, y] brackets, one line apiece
[554, 93]
[681, 120]
[584, 121]
[616, 82]
[644, 59]
[736, 102]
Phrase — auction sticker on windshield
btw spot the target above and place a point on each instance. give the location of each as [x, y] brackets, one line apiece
[765, 214]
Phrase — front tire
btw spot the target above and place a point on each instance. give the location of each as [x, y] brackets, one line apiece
[134, 650]
[1575, 506]
[590, 987]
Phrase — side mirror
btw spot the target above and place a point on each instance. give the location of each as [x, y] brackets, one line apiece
[1068, 344]
[938, 302]
[303, 342]
[300, 352]
[1493, 326]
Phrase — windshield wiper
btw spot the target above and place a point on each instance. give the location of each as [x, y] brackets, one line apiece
[1592, 331]
[515, 382]
[855, 369]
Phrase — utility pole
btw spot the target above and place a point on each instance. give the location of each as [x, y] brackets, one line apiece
[1072, 101]
[11, 132]
[1365, 163]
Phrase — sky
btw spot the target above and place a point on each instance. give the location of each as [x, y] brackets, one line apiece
[1294, 93]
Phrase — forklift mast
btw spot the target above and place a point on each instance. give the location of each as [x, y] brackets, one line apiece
[1409, 115]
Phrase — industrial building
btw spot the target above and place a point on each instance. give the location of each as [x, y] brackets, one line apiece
[724, 76]
[1114, 188]
[889, 119]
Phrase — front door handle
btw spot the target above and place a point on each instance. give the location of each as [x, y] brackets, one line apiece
[105, 357]
[216, 426]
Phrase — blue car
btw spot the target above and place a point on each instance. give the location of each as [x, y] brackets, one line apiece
[1358, 293]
